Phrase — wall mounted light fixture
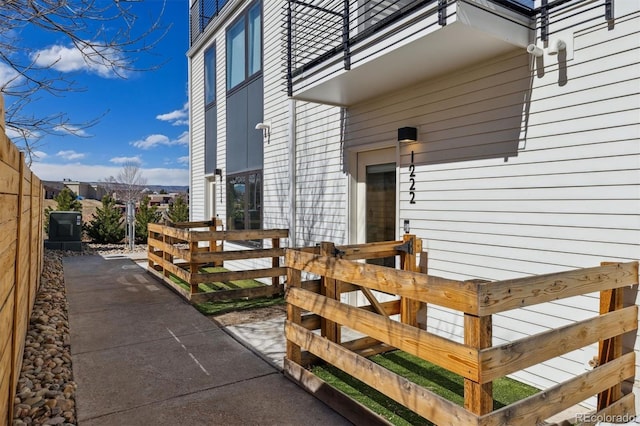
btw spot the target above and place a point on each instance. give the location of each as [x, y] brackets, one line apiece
[407, 134]
[266, 130]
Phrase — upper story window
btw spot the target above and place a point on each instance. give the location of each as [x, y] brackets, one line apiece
[244, 46]
[210, 76]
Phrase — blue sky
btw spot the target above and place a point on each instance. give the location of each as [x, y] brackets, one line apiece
[145, 115]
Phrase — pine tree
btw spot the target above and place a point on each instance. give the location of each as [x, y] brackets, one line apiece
[146, 214]
[107, 223]
[67, 201]
[178, 210]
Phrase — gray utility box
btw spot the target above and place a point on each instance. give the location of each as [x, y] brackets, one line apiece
[65, 231]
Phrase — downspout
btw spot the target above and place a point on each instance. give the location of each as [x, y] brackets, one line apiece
[292, 174]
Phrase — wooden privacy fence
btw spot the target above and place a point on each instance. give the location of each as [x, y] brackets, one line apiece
[476, 360]
[182, 250]
[21, 254]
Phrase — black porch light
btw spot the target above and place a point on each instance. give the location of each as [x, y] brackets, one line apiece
[407, 134]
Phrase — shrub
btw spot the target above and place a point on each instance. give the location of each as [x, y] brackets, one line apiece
[146, 214]
[106, 227]
[178, 210]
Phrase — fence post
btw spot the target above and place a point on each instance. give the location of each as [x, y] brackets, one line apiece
[478, 398]
[328, 288]
[408, 262]
[275, 263]
[213, 243]
[610, 349]
[150, 237]
[294, 314]
[166, 257]
[423, 267]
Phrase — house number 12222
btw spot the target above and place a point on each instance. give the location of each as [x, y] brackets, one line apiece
[412, 181]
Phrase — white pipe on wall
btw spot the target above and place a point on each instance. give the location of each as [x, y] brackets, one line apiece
[534, 50]
[292, 174]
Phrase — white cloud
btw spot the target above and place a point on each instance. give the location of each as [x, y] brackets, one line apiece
[96, 173]
[183, 139]
[71, 130]
[178, 117]
[71, 155]
[8, 75]
[153, 141]
[123, 160]
[183, 160]
[39, 155]
[70, 59]
[16, 135]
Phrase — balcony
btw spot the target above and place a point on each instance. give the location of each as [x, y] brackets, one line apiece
[343, 52]
[201, 13]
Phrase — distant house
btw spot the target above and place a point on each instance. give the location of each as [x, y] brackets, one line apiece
[87, 190]
[504, 133]
[52, 189]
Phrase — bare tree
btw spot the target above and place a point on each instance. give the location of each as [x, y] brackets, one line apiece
[128, 185]
[102, 34]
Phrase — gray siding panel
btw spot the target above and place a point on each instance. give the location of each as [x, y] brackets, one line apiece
[255, 142]
[237, 123]
[244, 142]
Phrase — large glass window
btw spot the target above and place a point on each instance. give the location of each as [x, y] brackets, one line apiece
[255, 40]
[210, 76]
[211, 112]
[244, 201]
[235, 54]
[244, 46]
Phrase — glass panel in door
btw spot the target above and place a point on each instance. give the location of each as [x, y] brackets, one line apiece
[381, 206]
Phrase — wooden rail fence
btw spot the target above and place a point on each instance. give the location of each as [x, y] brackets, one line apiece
[476, 359]
[21, 255]
[181, 250]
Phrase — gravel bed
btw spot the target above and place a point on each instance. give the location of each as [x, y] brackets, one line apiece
[45, 394]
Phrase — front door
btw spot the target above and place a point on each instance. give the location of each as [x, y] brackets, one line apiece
[376, 205]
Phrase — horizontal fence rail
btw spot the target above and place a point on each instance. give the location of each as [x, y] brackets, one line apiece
[21, 261]
[316, 304]
[179, 253]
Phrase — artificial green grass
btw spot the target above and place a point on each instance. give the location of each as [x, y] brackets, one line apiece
[437, 379]
[218, 286]
[223, 306]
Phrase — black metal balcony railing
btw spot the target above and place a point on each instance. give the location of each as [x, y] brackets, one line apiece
[201, 13]
[319, 31]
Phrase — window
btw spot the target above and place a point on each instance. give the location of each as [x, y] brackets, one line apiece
[210, 76]
[211, 111]
[244, 47]
[244, 202]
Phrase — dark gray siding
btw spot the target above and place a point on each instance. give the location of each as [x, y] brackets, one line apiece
[244, 143]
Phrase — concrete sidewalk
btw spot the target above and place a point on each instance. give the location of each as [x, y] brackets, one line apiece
[141, 355]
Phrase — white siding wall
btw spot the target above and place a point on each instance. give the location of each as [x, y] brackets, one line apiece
[322, 184]
[522, 171]
[321, 189]
[214, 36]
[196, 129]
[276, 111]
